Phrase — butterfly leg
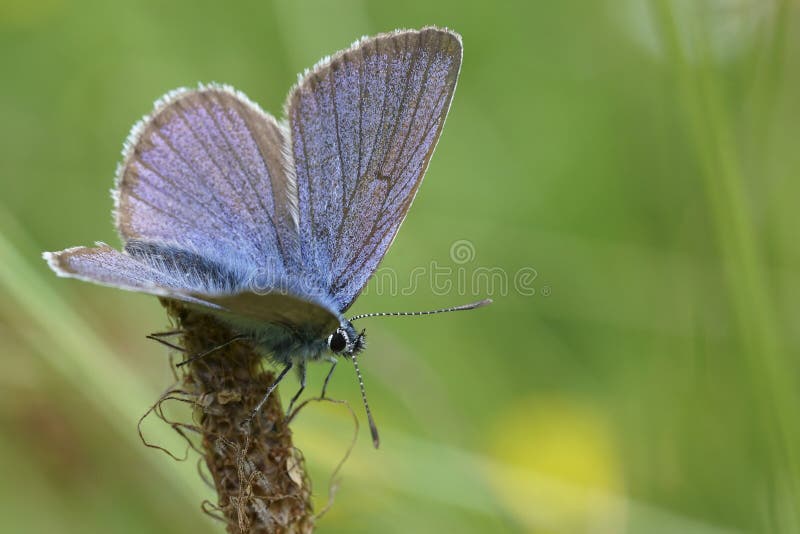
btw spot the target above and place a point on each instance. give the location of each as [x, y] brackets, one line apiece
[168, 333]
[167, 344]
[264, 399]
[156, 336]
[210, 351]
[333, 361]
[301, 368]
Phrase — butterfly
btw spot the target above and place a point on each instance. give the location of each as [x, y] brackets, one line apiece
[274, 226]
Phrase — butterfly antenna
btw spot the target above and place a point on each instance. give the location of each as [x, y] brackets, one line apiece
[372, 427]
[470, 306]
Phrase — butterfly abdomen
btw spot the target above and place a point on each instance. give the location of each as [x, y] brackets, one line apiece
[278, 343]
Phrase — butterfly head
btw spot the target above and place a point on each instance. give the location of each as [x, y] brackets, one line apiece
[346, 341]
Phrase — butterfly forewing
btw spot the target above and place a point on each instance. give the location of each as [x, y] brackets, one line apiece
[363, 126]
[205, 172]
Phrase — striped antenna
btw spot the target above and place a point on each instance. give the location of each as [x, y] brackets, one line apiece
[471, 306]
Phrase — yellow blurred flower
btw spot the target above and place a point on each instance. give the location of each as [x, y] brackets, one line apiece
[557, 467]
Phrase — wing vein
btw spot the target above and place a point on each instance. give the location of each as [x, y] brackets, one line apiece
[400, 109]
[271, 179]
[342, 178]
[245, 172]
[302, 134]
[186, 223]
[180, 112]
[428, 127]
[379, 133]
[359, 177]
[410, 128]
[178, 200]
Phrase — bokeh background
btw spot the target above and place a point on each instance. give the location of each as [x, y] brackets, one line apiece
[638, 160]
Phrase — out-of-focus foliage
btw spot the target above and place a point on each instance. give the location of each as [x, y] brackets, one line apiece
[620, 176]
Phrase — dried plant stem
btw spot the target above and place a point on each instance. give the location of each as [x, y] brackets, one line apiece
[258, 474]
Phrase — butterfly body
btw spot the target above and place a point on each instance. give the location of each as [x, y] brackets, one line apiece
[278, 343]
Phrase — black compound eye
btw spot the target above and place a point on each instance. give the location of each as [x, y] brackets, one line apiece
[337, 342]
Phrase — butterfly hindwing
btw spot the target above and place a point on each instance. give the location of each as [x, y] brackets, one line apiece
[104, 265]
[307, 316]
[185, 276]
[363, 128]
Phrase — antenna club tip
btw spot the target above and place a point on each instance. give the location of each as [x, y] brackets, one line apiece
[373, 430]
[484, 302]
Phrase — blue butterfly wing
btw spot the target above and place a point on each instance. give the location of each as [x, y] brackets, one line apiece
[107, 266]
[364, 125]
[185, 276]
[309, 317]
[205, 172]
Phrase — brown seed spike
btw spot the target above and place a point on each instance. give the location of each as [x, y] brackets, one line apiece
[258, 474]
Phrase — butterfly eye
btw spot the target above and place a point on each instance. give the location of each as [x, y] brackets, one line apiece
[337, 341]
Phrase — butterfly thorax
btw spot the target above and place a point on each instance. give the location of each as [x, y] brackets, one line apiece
[283, 345]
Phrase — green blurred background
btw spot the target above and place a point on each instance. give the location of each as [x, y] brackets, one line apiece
[639, 156]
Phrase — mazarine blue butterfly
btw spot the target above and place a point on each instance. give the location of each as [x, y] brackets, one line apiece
[276, 227]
